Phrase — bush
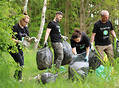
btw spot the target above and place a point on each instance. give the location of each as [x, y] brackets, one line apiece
[7, 19]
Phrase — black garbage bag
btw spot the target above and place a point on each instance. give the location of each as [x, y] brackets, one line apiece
[78, 66]
[117, 48]
[67, 53]
[48, 77]
[44, 58]
[94, 61]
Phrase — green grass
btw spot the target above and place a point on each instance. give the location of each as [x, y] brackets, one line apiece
[30, 71]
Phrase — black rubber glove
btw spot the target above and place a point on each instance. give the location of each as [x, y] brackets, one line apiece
[45, 44]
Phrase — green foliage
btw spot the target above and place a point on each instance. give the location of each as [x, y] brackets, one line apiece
[10, 13]
[30, 71]
[5, 80]
[8, 18]
[35, 11]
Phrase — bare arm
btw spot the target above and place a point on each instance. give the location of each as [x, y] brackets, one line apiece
[16, 41]
[74, 50]
[113, 33]
[92, 37]
[47, 34]
[87, 51]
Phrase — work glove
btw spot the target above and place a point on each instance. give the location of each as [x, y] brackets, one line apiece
[22, 39]
[65, 37]
[92, 47]
[86, 59]
[45, 44]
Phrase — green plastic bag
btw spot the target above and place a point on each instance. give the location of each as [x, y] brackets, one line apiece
[104, 72]
[62, 69]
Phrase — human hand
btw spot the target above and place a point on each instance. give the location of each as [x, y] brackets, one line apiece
[86, 59]
[45, 44]
[92, 47]
[65, 37]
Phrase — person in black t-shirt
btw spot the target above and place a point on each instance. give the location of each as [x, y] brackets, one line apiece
[20, 30]
[101, 34]
[80, 43]
[53, 29]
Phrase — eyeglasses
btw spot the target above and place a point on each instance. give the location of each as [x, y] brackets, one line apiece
[25, 21]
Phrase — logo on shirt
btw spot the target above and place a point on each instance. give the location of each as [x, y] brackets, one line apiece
[58, 27]
[104, 28]
[105, 32]
[82, 46]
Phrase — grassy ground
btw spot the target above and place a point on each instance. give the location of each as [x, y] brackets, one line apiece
[30, 71]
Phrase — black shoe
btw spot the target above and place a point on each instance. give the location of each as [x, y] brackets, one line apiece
[18, 75]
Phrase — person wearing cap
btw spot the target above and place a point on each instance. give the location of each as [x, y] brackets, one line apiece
[20, 30]
[101, 33]
[53, 29]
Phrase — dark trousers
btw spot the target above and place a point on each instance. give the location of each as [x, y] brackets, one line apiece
[18, 58]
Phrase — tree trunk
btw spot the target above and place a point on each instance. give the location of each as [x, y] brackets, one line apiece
[82, 15]
[25, 6]
[66, 24]
[118, 18]
[42, 24]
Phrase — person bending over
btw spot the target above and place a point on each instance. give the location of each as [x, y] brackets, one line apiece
[80, 43]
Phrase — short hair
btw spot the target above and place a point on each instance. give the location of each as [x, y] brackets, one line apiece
[104, 12]
[59, 12]
[76, 34]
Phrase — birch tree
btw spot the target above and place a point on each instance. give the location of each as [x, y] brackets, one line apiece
[42, 24]
[25, 6]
